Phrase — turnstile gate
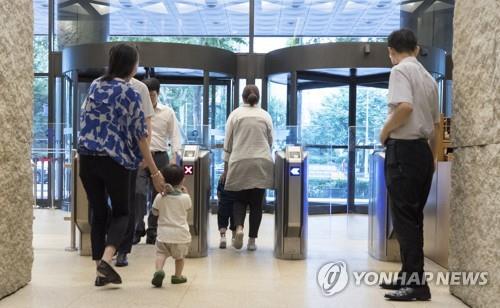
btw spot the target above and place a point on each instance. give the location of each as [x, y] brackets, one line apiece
[80, 208]
[196, 165]
[290, 231]
[382, 242]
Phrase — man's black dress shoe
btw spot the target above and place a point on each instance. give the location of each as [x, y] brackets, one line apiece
[410, 294]
[101, 281]
[110, 275]
[121, 260]
[393, 285]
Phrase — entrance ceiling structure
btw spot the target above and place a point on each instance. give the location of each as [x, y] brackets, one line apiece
[369, 18]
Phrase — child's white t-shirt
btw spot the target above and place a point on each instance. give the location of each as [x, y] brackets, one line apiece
[172, 218]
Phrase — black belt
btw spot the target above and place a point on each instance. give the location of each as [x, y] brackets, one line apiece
[391, 141]
[158, 152]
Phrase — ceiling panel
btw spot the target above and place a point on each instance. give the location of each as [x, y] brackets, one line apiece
[230, 17]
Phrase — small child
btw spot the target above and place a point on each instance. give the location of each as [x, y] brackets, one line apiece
[224, 213]
[173, 237]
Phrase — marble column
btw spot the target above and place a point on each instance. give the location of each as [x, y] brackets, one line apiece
[16, 99]
[475, 203]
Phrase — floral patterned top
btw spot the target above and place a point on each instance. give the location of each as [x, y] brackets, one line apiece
[112, 122]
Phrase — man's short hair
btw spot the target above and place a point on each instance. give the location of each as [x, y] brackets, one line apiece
[173, 174]
[153, 84]
[403, 40]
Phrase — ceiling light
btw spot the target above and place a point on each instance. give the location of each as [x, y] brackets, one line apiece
[270, 6]
[410, 7]
[156, 8]
[104, 9]
[138, 2]
[112, 2]
[438, 6]
[76, 9]
[325, 7]
[200, 2]
[186, 8]
[239, 8]
[354, 6]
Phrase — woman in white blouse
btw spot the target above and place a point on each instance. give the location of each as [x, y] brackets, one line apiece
[248, 167]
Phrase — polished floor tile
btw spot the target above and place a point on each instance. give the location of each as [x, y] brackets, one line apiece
[226, 278]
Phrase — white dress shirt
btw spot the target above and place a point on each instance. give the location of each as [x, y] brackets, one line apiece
[411, 83]
[146, 104]
[164, 130]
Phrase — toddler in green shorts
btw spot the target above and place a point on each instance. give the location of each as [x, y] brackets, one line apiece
[173, 237]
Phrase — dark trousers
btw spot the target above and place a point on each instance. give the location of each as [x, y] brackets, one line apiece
[140, 211]
[128, 238]
[225, 208]
[141, 199]
[102, 177]
[253, 198]
[409, 167]
[161, 160]
[225, 215]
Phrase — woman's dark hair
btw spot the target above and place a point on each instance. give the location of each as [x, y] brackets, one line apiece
[122, 61]
[153, 84]
[173, 174]
[251, 94]
[403, 40]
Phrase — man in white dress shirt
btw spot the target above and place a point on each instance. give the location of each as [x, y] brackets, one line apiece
[410, 135]
[147, 107]
[165, 135]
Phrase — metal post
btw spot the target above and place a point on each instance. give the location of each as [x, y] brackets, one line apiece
[236, 97]
[264, 94]
[72, 244]
[291, 109]
[228, 98]
[351, 173]
[52, 105]
[251, 30]
[206, 100]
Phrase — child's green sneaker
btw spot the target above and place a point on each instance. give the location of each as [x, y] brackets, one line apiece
[177, 280]
[158, 278]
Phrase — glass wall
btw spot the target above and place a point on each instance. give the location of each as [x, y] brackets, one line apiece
[324, 133]
[187, 102]
[277, 97]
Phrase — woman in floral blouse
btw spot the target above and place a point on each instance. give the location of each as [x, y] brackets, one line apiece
[112, 143]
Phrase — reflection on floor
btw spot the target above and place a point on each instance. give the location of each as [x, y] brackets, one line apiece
[226, 278]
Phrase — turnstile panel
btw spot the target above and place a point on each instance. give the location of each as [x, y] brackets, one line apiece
[291, 203]
[196, 165]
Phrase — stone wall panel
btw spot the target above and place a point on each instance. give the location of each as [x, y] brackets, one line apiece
[16, 99]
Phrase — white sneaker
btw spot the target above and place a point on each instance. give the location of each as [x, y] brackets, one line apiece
[223, 242]
[251, 245]
[238, 240]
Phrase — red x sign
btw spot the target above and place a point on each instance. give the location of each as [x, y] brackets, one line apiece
[188, 170]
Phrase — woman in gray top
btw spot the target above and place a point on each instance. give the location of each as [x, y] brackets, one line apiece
[248, 164]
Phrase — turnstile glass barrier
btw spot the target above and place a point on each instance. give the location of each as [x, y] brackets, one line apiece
[290, 231]
[382, 243]
[196, 164]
